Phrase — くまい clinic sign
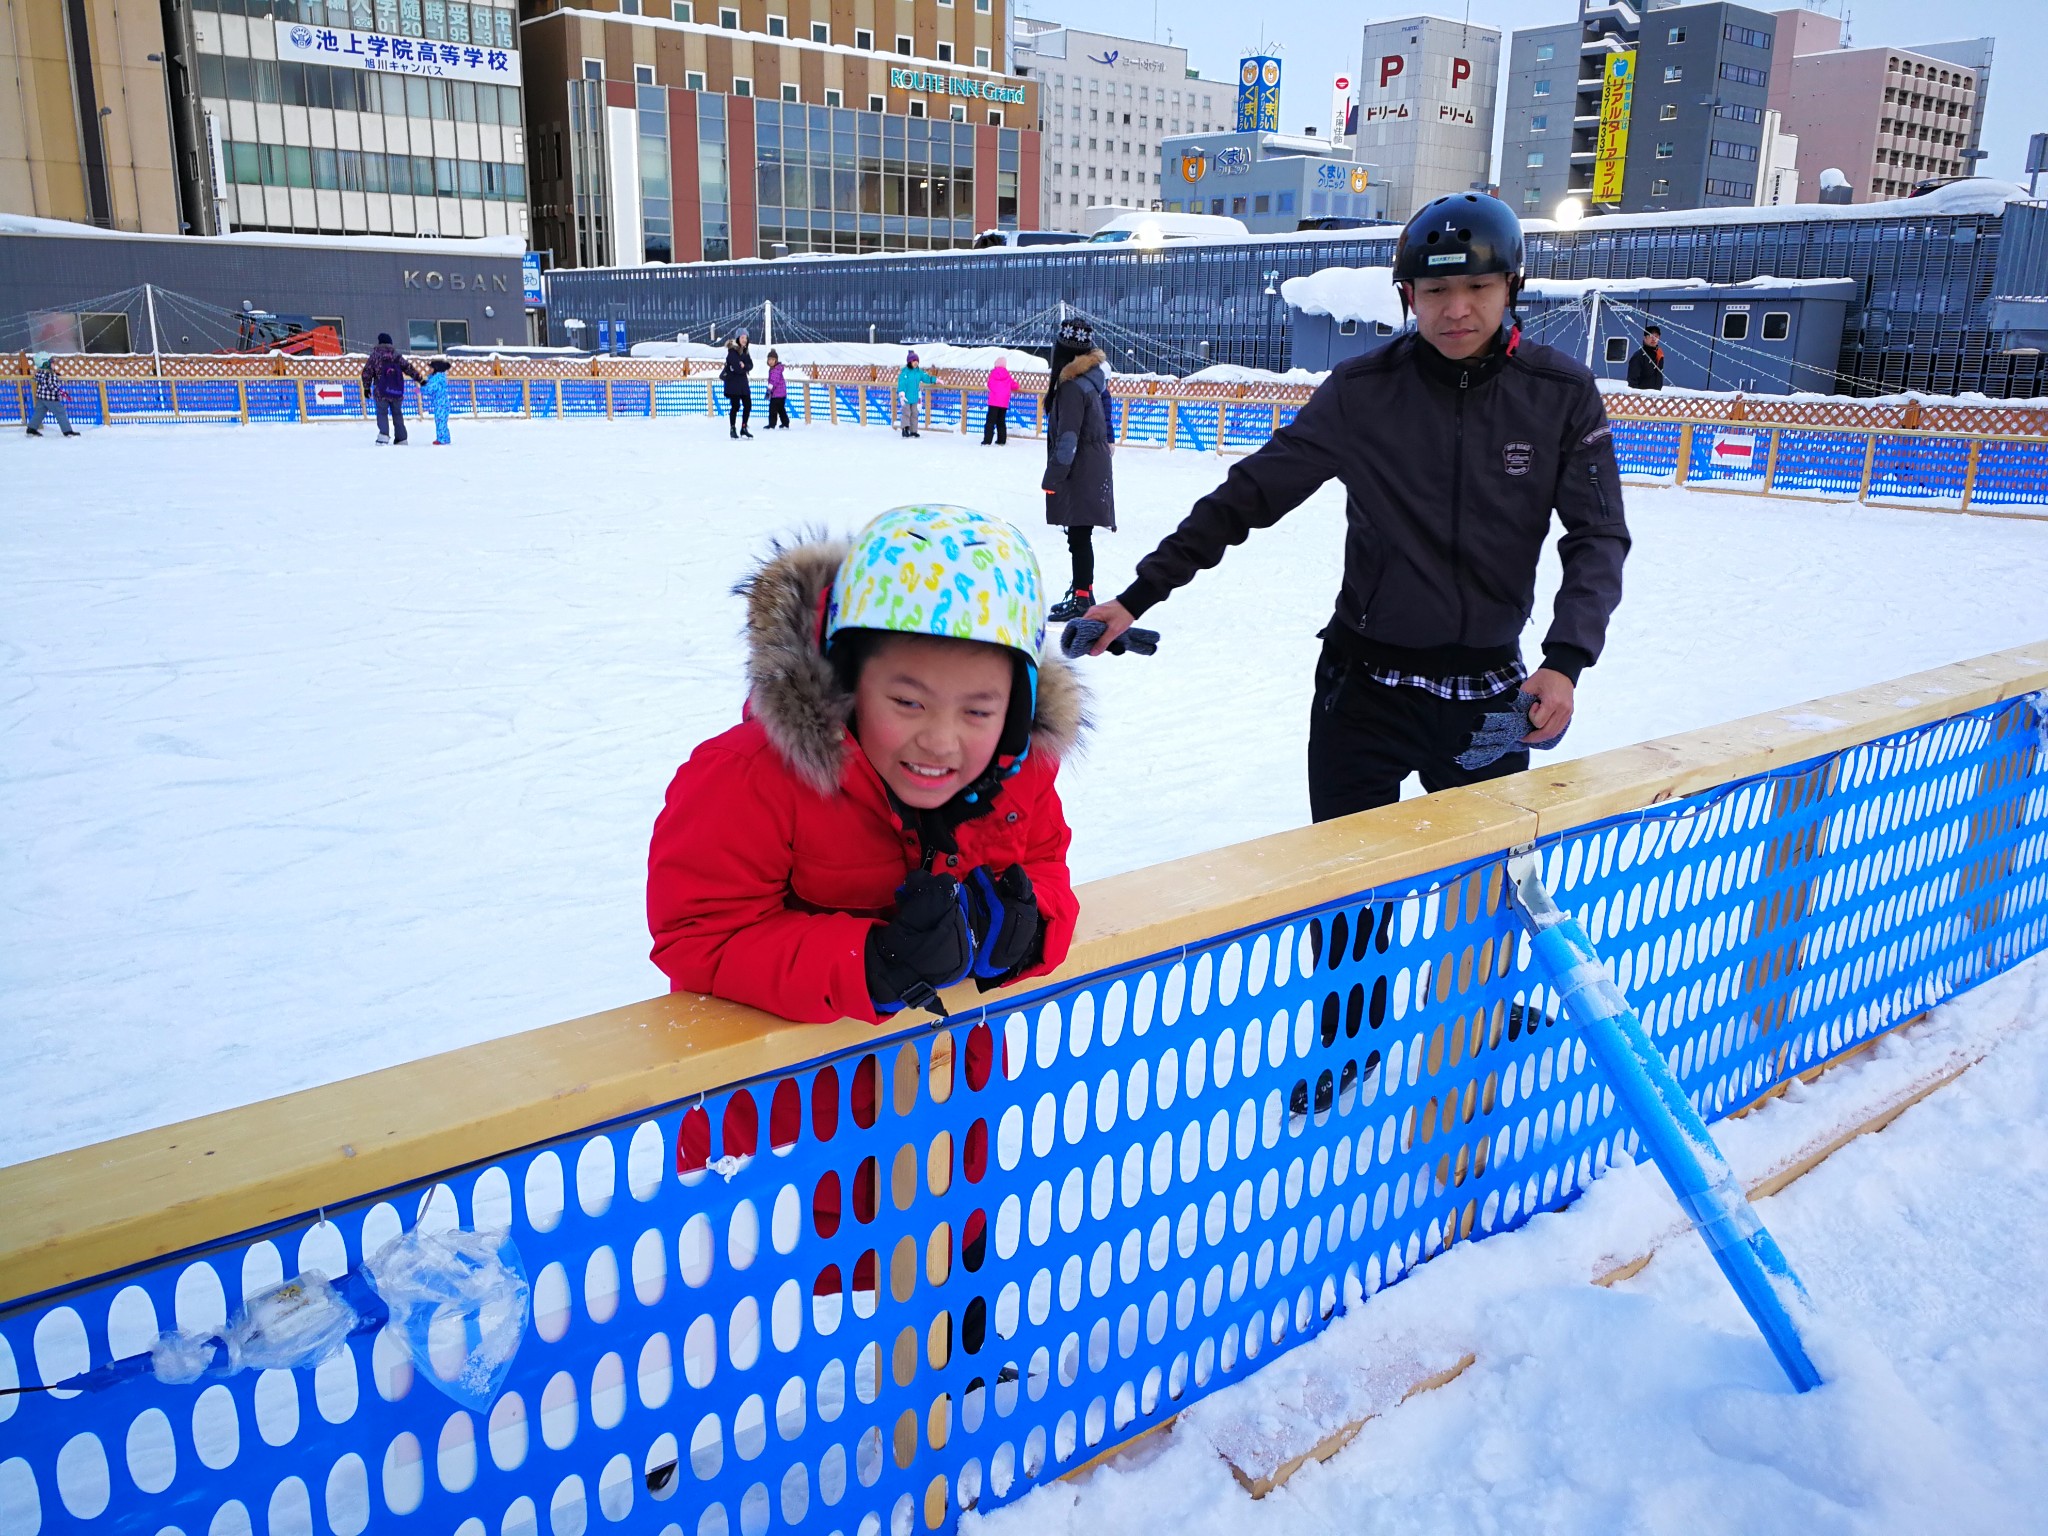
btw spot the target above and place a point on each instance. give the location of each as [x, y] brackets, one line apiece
[387, 54]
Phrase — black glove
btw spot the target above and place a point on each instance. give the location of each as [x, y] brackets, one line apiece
[927, 945]
[1002, 910]
[1080, 634]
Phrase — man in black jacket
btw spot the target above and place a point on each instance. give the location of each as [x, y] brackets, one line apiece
[1646, 363]
[1455, 443]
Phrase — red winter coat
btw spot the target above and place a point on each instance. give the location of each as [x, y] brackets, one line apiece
[778, 849]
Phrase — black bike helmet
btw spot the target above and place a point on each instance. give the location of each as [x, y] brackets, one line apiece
[1464, 235]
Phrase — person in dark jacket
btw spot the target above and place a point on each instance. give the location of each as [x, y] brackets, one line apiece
[1646, 363]
[1080, 495]
[739, 394]
[384, 376]
[1455, 443]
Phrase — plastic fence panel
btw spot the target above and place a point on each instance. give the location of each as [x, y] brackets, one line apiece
[633, 397]
[927, 1275]
[1287, 415]
[947, 408]
[1823, 463]
[273, 399]
[500, 397]
[334, 400]
[1145, 422]
[582, 397]
[881, 405]
[1247, 425]
[1733, 458]
[545, 397]
[461, 397]
[846, 398]
[975, 403]
[682, 397]
[14, 401]
[1027, 413]
[1919, 468]
[2011, 475]
[146, 399]
[1198, 424]
[1647, 449]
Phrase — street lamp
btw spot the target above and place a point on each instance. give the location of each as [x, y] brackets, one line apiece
[1272, 293]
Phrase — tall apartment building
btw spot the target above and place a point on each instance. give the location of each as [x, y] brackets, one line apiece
[1106, 103]
[85, 133]
[699, 130]
[1426, 89]
[1696, 130]
[1536, 140]
[1885, 117]
[353, 117]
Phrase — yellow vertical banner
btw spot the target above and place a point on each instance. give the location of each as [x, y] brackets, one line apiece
[1617, 96]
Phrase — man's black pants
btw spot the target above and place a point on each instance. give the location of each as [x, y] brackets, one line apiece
[1365, 737]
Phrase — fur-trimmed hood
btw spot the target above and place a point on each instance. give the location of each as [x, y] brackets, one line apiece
[1094, 358]
[796, 695]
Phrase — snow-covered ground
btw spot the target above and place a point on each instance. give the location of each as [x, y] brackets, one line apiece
[317, 756]
[1654, 1407]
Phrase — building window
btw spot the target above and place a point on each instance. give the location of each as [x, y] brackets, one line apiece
[1262, 203]
[1777, 325]
[1740, 114]
[742, 86]
[1535, 159]
[1660, 188]
[982, 6]
[877, 104]
[1741, 191]
[834, 98]
[957, 112]
[778, 26]
[1285, 205]
[1675, 36]
[693, 80]
[729, 19]
[1545, 53]
[1666, 149]
[916, 107]
[1673, 74]
[1740, 76]
[981, 58]
[1237, 206]
[1734, 325]
[821, 32]
[904, 44]
[1530, 197]
[453, 333]
[593, 69]
[1749, 37]
[1541, 88]
[1539, 123]
[683, 10]
[1668, 113]
[945, 53]
[995, 117]
[1617, 349]
[1728, 150]
[863, 38]
[789, 92]
[643, 74]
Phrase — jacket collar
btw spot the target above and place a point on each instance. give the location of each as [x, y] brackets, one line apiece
[1470, 372]
[1082, 364]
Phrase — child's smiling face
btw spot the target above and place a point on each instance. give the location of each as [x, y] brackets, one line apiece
[929, 714]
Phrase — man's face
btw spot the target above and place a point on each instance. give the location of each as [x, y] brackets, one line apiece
[1460, 316]
[1653, 337]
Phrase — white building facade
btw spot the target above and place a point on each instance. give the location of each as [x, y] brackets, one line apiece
[1425, 89]
[1107, 103]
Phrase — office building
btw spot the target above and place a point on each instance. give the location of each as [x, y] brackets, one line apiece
[1426, 90]
[1271, 181]
[1887, 118]
[1108, 104]
[85, 132]
[702, 131]
[1541, 101]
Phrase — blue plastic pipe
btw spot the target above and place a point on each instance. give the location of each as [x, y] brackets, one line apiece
[1670, 1128]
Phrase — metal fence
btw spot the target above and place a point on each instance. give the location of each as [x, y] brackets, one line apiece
[869, 1290]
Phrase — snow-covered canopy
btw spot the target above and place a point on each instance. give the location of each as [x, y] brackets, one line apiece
[857, 354]
[1976, 194]
[483, 245]
[1347, 293]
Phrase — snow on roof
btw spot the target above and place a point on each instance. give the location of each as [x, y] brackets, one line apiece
[486, 245]
[1347, 293]
[859, 354]
[1972, 195]
[1564, 289]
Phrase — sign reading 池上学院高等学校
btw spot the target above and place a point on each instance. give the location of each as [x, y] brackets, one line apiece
[300, 43]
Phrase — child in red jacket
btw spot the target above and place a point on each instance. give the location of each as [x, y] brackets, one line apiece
[884, 823]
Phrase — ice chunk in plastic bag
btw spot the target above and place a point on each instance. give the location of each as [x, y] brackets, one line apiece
[459, 1301]
[294, 1325]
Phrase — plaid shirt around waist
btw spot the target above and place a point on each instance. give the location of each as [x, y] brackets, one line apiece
[1469, 688]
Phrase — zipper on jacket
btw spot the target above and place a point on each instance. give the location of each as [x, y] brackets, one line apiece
[1599, 490]
[1458, 502]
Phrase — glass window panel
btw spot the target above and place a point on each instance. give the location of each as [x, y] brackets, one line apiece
[515, 182]
[465, 100]
[409, 17]
[265, 71]
[363, 16]
[415, 96]
[458, 22]
[437, 20]
[373, 172]
[486, 103]
[326, 170]
[469, 180]
[248, 165]
[422, 176]
[387, 15]
[508, 105]
[213, 75]
[299, 165]
[442, 102]
[505, 33]
[444, 176]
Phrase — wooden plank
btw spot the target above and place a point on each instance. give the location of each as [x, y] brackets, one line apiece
[1331, 1444]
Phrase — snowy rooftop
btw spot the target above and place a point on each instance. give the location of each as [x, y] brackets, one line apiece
[1977, 195]
[486, 245]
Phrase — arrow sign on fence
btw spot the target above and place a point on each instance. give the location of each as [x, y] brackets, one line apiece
[1734, 450]
[327, 394]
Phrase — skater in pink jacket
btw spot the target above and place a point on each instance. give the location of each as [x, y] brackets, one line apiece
[995, 426]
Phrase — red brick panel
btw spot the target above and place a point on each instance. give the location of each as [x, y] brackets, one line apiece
[1027, 179]
[739, 170]
[986, 158]
[682, 175]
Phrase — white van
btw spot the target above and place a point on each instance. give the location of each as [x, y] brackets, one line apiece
[1156, 229]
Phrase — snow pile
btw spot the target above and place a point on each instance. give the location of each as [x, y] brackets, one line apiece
[1569, 289]
[380, 756]
[1232, 373]
[1364, 294]
[481, 245]
[932, 355]
[1654, 1405]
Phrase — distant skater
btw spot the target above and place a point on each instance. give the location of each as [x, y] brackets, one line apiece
[910, 383]
[384, 376]
[435, 393]
[995, 426]
[47, 397]
[778, 394]
[739, 394]
[1080, 494]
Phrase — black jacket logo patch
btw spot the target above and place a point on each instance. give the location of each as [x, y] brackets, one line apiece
[1516, 457]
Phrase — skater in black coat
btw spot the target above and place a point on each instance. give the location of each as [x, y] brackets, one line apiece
[739, 394]
[1079, 488]
[1646, 366]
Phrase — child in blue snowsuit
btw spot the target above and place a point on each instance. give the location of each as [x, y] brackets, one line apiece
[435, 393]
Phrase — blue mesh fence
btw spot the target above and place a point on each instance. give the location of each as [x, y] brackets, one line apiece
[1647, 449]
[874, 1290]
[1821, 463]
[1906, 468]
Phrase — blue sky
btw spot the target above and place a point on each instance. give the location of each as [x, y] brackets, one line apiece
[1318, 37]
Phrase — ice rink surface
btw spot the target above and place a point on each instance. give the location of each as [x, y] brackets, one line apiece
[320, 756]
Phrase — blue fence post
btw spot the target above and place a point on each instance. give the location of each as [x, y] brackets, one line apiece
[1677, 1138]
